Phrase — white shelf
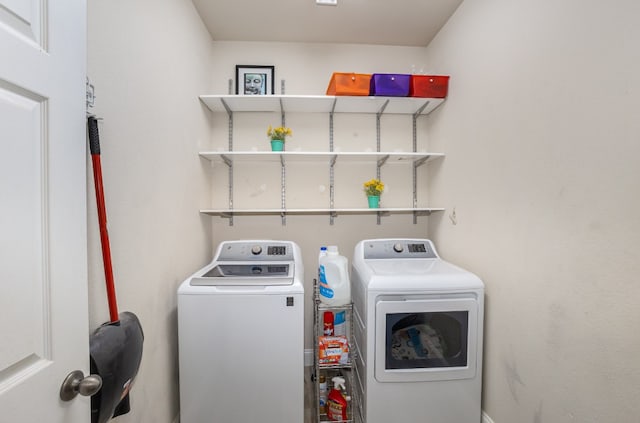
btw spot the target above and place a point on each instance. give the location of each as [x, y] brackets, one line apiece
[231, 104]
[313, 211]
[307, 156]
[320, 104]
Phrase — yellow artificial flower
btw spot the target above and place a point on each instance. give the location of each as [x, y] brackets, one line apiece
[279, 133]
[373, 187]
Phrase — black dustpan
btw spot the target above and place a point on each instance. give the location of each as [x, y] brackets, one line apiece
[116, 346]
[116, 353]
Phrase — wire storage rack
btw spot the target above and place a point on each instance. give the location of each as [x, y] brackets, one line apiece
[344, 368]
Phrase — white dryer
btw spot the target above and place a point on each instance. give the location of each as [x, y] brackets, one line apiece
[418, 334]
[241, 336]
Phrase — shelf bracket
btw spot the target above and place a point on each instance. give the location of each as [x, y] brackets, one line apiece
[384, 106]
[421, 161]
[226, 160]
[382, 161]
[422, 212]
[421, 109]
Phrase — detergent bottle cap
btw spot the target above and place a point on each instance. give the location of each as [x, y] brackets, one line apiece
[323, 252]
[332, 250]
[338, 382]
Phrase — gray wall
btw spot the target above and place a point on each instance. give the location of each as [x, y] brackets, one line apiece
[149, 61]
[542, 139]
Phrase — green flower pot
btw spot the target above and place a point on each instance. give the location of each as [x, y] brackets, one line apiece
[374, 201]
[277, 145]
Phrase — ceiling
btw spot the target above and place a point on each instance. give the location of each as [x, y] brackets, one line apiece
[384, 22]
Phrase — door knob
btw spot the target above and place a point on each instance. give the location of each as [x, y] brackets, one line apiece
[76, 383]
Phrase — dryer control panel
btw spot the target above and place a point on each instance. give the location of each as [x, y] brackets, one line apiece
[399, 248]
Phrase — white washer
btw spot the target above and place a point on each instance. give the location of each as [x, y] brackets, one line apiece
[241, 336]
[418, 334]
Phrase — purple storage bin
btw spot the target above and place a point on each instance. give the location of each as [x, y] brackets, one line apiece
[390, 84]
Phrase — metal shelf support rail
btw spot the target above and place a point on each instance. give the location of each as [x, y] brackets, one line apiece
[380, 162]
[283, 169]
[417, 163]
[332, 215]
[228, 162]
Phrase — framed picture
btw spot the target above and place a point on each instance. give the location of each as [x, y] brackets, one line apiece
[254, 80]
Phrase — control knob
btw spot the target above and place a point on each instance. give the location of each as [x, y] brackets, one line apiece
[256, 249]
[398, 248]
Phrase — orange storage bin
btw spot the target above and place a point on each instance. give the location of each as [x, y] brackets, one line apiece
[431, 86]
[349, 84]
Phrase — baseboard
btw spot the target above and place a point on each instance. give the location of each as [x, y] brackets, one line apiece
[308, 357]
[486, 418]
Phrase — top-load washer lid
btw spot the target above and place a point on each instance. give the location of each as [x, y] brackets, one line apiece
[245, 274]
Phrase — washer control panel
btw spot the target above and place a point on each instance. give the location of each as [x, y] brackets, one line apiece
[399, 248]
[254, 250]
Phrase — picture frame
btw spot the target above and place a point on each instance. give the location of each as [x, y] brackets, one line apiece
[254, 79]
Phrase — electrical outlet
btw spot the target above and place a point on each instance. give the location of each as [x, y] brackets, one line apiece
[327, 2]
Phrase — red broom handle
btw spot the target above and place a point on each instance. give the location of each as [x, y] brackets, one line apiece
[102, 220]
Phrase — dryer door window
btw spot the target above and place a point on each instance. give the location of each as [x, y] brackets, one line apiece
[426, 339]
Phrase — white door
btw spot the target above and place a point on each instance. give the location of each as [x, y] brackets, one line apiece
[43, 263]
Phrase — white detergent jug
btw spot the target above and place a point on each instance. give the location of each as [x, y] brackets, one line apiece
[334, 287]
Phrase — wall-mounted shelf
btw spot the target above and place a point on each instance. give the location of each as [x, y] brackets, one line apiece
[320, 104]
[329, 105]
[422, 211]
[315, 156]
